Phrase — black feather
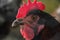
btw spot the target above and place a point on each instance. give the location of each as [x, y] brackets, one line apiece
[50, 23]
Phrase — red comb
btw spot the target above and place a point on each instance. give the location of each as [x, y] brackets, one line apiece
[22, 12]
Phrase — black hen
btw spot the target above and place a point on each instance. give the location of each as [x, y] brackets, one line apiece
[43, 18]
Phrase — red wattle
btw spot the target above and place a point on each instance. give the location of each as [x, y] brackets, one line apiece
[27, 32]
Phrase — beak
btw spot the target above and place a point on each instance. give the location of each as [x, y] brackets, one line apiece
[17, 22]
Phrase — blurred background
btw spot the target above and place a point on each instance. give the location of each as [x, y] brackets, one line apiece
[8, 11]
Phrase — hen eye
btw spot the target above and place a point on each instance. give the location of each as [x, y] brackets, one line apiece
[33, 17]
